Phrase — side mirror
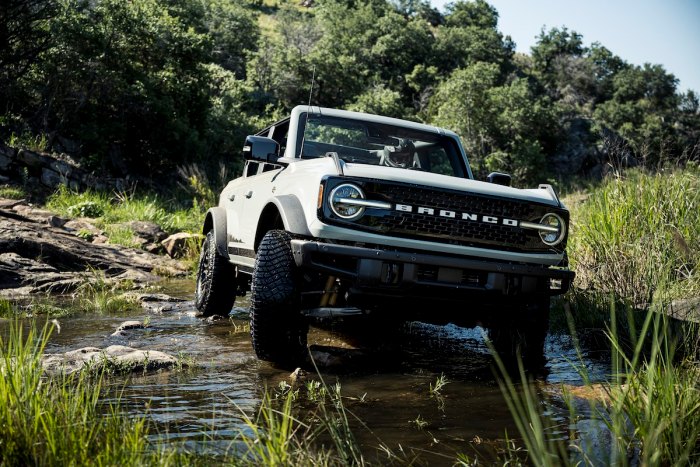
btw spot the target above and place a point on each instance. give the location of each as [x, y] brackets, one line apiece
[261, 149]
[499, 178]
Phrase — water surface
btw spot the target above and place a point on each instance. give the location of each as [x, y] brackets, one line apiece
[385, 386]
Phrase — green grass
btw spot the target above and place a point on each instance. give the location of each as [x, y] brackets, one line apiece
[98, 295]
[440, 382]
[291, 430]
[654, 398]
[635, 244]
[39, 306]
[61, 421]
[111, 211]
[639, 236]
[125, 207]
[651, 406]
[12, 192]
[27, 140]
[7, 309]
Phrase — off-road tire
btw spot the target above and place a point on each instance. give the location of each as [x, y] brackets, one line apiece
[522, 333]
[277, 328]
[215, 291]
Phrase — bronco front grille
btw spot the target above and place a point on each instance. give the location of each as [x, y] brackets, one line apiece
[452, 230]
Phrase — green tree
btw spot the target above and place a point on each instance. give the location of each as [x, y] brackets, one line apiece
[131, 83]
[504, 126]
[605, 65]
[642, 112]
[228, 121]
[281, 69]
[419, 9]
[470, 35]
[124, 79]
[342, 56]
[381, 101]
[233, 32]
[477, 13]
[556, 43]
[462, 103]
[522, 126]
[687, 126]
[25, 34]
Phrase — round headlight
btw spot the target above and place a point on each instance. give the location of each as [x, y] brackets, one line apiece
[341, 201]
[557, 230]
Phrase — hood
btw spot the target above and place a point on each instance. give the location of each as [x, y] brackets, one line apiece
[542, 195]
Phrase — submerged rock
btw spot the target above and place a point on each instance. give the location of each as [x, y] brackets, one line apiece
[115, 359]
[161, 303]
[154, 297]
[685, 309]
[127, 326]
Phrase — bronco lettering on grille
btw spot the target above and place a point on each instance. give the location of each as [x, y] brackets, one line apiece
[467, 216]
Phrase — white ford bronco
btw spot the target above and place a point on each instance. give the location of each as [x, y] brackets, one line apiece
[341, 213]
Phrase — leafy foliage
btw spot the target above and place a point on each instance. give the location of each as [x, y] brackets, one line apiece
[149, 85]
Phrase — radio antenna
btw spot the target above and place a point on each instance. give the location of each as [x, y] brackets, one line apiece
[308, 111]
[313, 80]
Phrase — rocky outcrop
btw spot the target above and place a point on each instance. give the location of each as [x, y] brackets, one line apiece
[176, 245]
[52, 170]
[40, 254]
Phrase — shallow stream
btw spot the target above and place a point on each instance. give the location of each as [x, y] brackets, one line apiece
[388, 389]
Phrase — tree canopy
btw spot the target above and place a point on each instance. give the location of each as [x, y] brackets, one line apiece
[145, 85]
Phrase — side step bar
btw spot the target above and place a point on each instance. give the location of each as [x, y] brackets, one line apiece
[328, 312]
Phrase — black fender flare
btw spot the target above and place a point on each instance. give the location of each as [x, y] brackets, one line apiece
[285, 209]
[216, 220]
[292, 214]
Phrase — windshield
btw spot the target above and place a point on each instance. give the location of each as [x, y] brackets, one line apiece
[361, 142]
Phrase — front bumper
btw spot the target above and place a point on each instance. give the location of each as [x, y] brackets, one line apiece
[407, 273]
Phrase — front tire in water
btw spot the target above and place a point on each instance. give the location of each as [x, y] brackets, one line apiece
[522, 332]
[215, 291]
[277, 328]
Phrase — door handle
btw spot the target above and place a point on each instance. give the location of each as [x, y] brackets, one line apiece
[249, 194]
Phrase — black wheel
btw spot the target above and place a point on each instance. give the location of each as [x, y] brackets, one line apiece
[277, 329]
[521, 332]
[216, 281]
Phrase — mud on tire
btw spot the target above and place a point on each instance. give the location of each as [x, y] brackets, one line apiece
[277, 328]
[215, 291]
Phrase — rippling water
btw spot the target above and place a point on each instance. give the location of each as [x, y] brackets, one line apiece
[387, 388]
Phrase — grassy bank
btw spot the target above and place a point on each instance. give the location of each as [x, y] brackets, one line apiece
[647, 413]
[638, 236]
[111, 210]
[635, 243]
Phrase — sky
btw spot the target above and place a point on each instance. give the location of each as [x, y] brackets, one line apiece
[665, 32]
